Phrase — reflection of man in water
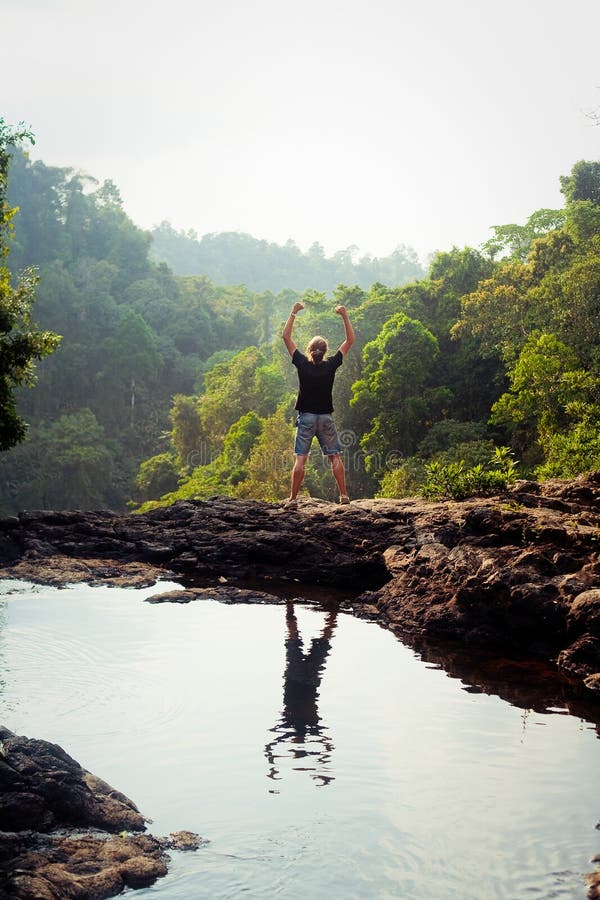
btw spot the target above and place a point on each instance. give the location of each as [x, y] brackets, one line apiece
[299, 734]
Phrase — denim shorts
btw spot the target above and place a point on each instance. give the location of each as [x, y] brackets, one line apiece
[321, 425]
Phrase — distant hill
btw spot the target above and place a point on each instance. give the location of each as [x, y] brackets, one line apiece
[236, 258]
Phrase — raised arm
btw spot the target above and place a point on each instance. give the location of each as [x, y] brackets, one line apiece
[350, 336]
[287, 328]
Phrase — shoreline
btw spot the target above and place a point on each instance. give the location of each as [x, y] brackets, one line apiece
[517, 573]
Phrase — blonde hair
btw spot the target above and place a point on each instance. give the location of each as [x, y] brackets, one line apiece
[316, 349]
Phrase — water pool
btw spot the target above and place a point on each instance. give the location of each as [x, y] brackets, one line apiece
[320, 756]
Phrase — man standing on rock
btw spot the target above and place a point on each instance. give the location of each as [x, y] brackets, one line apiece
[315, 404]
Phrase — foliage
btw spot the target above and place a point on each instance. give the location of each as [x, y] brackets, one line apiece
[223, 473]
[186, 432]
[21, 342]
[403, 481]
[540, 384]
[171, 386]
[408, 478]
[583, 182]
[77, 461]
[456, 480]
[396, 367]
[448, 433]
[244, 383]
[515, 241]
[270, 461]
[157, 476]
[574, 450]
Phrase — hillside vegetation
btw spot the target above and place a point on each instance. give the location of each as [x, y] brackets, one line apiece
[167, 386]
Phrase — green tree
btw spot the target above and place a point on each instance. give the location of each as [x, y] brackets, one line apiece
[270, 462]
[21, 342]
[394, 384]
[515, 241]
[186, 432]
[131, 368]
[575, 449]
[77, 462]
[245, 383]
[544, 381]
[156, 476]
[583, 183]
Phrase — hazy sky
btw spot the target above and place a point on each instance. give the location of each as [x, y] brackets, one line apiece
[346, 122]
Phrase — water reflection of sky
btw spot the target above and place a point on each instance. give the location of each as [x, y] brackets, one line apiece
[434, 791]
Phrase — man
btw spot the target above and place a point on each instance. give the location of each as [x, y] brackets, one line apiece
[314, 403]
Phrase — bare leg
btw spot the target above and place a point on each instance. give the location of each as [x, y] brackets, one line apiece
[337, 468]
[298, 474]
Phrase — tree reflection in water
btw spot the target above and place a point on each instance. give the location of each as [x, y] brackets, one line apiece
[299, 734]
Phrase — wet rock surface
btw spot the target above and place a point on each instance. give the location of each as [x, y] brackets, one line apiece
[42, 787]
[66, 833]
[222, 593]
[320, 542]
[519, 572]
[60, 570]
[90, 866]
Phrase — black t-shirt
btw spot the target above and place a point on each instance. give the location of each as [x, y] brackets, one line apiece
[316, 382]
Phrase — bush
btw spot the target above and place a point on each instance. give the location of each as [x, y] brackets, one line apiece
[157, 476]
[456, 480]
[569, 454]
[408, 479]
[405, 481]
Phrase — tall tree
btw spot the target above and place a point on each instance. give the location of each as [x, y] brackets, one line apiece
[20, 341]
[393, 391]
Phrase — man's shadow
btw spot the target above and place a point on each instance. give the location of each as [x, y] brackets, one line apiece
[299, 733]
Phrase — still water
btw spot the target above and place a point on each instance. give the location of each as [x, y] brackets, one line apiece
[318, 755]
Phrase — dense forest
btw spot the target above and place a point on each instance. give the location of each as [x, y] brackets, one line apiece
[168, 386]
[237, 258]
[133, 336]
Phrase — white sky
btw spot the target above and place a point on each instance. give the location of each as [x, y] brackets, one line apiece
[367, 122]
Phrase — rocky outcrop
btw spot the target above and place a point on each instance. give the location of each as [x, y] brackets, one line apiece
[320, 542]
[65, 832]
[519, 572]
[59, 570]
[43, 788]
[90, 866]
[222, 593]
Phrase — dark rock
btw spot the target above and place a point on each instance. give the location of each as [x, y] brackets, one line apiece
[223, 593]
[61, 570]
[526, 487]
[584, 614]
[56, 791]
[582, 658]
[9, 522]
[593, 882]
[172, 597]
[182, 840]
[43, 789]
[592, 682]
[85, 866]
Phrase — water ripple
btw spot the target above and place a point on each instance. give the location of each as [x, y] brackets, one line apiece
[423, 789]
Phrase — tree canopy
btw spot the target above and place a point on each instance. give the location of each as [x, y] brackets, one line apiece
[21, 342]
[170, 386]
[238, 258]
